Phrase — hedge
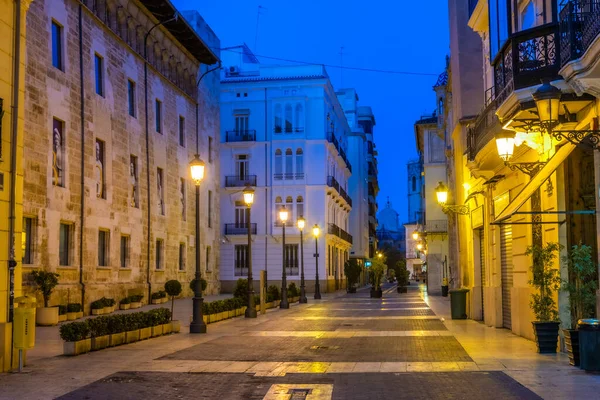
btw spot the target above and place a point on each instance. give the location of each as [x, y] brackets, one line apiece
[103, 302]
[111, 324]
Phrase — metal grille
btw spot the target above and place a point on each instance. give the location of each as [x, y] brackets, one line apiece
[507, 272]
[482, 264]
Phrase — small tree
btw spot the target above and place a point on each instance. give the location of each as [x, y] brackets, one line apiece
[582, 283]
[377, 270]
[241, 290]
[203, 284]
[173, 288]
[46, 282]
[546, 279]
[403, 274]
[352, 270]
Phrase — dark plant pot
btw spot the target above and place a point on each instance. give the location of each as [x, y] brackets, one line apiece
[402, 289]
[376, 293]
[572, 343]
[546, 336]
[351, 289]
[445, 291]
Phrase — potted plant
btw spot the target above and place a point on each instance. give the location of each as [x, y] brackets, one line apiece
[97, 307]
[293, 292]
[546, 281]
[73, 310]
[402, 277]
[144, 323]
[376, 270]
[203, 285]
[581, 287]
[76, 337]
[136, 300]
[132, 327]
[125, 303]
[46, 282]
[62, 313]
[116, 330]
[156, 326]
[100, 338]
[109, 305]
[352, 270]
[173, 288]
[274, 295]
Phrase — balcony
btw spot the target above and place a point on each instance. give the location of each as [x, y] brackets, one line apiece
[526, 58]
[436, 226]
[240, 181]
[288, 177]
[239, 229]
[579, 26]
[240, 136]
[333, 183]
[332, 139]
[482, 130]
[335, 230]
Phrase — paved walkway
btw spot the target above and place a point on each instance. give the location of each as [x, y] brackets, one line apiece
[342, 347]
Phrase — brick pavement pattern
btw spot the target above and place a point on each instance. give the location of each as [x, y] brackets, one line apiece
[171, 386]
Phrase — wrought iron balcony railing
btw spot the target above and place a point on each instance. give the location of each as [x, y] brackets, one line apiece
[579, 26]
[482, 130]
[240, 181]
[526, 58]
[335, 230]
[332, 139]
[240, 136]
[239, 229]
[286, 176]
[333, 183]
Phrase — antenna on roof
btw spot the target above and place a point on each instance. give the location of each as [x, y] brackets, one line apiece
[258, 14]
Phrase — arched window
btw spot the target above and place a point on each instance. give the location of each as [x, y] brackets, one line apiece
[289, 164]
[278, 206]
[299, 207]
[278, 126]
[289, 204]
[441, 107]
[278, 165]
[288, 119]
[414, 184]
[299, 117]
[299, 164]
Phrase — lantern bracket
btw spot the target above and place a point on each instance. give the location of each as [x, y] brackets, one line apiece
[529, 168]
[455, 209]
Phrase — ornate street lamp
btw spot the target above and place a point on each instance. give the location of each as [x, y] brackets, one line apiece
[415, 235]
[316, 232]
[301, 222]
[419, 246]
[197, 167]
[248, 194]
[441, 193]
[283, 216]
[505, 144]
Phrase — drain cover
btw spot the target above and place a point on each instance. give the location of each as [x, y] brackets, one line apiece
[324, 347]
[299, 394]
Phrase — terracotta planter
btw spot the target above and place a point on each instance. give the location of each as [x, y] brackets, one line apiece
[167, 328]
[97, 311]
[156, 330]
[62, 317]
[100, 342]
[132, 336]
[145, 333]
[116, 339]
[107, 310]
[46, 316]
[79, 315]
[175, 326]
[125, 306]
[72, 316]
[76, 348]
[136, 304]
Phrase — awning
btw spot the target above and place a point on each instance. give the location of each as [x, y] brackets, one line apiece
[537, 181]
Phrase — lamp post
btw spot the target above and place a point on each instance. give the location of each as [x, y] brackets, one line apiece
[316, 231]
[283, 216]
[441, 193]
[249, 199]
[301, 222]
[197, 325]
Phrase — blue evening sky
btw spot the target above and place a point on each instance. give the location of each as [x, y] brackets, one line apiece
[396, 35]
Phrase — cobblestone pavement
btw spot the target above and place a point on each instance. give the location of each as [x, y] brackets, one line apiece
[342, 347]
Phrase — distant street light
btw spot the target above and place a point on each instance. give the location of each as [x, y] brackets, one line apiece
[316, 231]
[301, 222]
[283, 216]
[249, 199]
[197, 325]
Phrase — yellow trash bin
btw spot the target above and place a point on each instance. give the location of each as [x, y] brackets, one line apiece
[24, 323]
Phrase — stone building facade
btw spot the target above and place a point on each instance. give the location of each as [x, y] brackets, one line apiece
[109, 201]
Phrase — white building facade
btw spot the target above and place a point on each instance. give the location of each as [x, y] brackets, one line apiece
[284, 133]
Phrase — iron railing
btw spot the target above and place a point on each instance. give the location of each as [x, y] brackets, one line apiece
[333, 183]
[335, 230]
[240, 181]
[239, 229]
[332, 139]
[579, 26]
[436, 226]
[240, 136]
[482, 130]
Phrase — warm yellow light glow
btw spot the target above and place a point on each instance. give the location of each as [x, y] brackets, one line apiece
[505, 144]
[415, 235]
[419, 246]
[441, 192]
[316, 231]
[547, 101]
[467, 186]
[248, 195]
[197, 169]
[283, 214]
[301, 222]
[379, 255]
[425, 251]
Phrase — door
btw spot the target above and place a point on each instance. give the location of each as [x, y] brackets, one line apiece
[507, 272]
[482, 267]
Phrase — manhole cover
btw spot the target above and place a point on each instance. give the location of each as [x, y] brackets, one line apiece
[324, 347]
[298, 394]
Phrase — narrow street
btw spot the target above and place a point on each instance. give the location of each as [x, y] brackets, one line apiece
[347, 346]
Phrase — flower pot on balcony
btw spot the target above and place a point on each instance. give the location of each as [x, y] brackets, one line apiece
[100, 342]
[78, 347]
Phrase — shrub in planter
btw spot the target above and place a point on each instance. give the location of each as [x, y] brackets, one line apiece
[125, 303]
[241, 290]
[74, 311]
[76, 337]
[97, 307]
[136, 300]
[293, 290]
[45, 283]
[62, 313]
[376, 270]
[173, 289]
[99, 332]
[352, 270]
[273, 293]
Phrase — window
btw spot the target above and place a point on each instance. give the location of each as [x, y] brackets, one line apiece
[414, 183]
[498, 16]
[99, 170]
[124, 251]
[291, 259]
[65, 244]
[182, 256]
[131, 97]
[241, 124]
[181, 131]
[58, 153]
[299, 164]
[240, 214]
[159, 254]
[241, 262]
[299, 117]
[278, 125]
[160, 191]
[210, 149]
[528, 16]
[208, 255]
[103, 247]
[278, 206]
[288, 119]
[133, 182]
[278, 165]
[158, 115]
[289, 204]
[299, 207]
[289, 164]
[241, 166]
[57, 53]
[209, 217]
[27, 239]
[99, 69]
